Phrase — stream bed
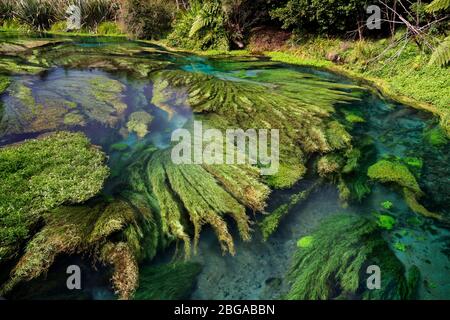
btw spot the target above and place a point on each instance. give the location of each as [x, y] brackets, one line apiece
[99, 98]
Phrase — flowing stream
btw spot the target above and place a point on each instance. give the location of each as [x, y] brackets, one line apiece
[258, 268]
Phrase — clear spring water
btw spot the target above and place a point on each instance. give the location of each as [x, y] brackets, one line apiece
[257, 270]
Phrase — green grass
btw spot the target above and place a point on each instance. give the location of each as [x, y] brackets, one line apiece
[407, 78]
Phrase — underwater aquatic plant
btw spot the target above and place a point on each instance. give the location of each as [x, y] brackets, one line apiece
[271, 222]
[139, 122]
[55, 104]
[386, 222]
[41, 174]
[436, 136]
[171, 281]
[89, 229]
[331, 265]
[398, 173]
[193, 189]
[4, 83]
[387, 204]
[305, 242]
[388, 171]
[223, 104]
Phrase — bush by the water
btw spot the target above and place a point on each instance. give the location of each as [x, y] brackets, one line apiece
[150, 19]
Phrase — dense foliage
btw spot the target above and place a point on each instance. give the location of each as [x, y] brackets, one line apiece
[331, 262]
[324, 16]
[149, 19]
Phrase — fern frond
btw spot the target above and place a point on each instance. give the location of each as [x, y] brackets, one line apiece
[199, 23]
[441, 56]
[437, 5]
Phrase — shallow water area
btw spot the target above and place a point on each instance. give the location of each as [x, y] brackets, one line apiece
[118, 95]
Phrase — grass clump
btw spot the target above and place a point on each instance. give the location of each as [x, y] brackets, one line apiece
[333, 265]
[173, 281]
[108, 28]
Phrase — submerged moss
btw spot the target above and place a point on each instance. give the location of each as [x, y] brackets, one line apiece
[271, 222]
[398, 173]
[139, 122]
[388, 171]
[222, 104]
[436, 136]
[173, 281]
[4, 83]
[71, 100]
[333, 265]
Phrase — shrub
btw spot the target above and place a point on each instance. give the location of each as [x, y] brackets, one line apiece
[108, 28]
[324, 16]
[202, 26]
[150, 19]
[38, 14]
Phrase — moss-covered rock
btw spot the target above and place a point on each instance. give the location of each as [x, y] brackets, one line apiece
[333, 265]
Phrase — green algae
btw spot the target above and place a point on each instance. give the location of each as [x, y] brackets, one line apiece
[173, 281]
[135, 60]
[68, 101]
[436, 136]
[139, 122]
[74, 118]
[386, 221]
[271, 222]
[223, 104]
[388, 171]
[332, 266]
[11, 65]
[41, 174]
[387, 205]
[399, 174]
[4, 83]
[305, 242]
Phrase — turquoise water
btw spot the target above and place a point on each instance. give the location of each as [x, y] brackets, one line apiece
[258, 268]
